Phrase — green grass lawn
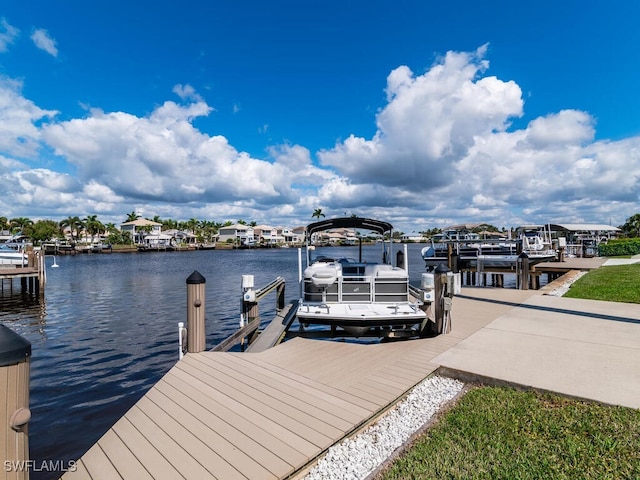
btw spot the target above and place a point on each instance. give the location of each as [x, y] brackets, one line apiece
[501, 433]
[620, 283]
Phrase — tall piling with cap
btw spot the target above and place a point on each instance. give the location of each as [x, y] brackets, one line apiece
[439, 304]
[15, 354]
[522, 268]
[196, 334]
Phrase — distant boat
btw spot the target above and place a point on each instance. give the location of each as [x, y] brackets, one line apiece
[472, 252]
[11, 256]
[359, 297]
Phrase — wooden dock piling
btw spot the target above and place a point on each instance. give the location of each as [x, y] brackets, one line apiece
[15, 353]
[196, 334]
[32, 275]
[522, 266]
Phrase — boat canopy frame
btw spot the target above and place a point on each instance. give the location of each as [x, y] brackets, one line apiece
[370, 224]
[350, 222]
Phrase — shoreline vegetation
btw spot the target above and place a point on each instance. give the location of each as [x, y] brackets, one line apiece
[500, 432]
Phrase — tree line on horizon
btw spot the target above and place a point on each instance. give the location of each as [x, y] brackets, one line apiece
[44, 230]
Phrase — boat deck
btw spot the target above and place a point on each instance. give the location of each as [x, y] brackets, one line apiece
[269, 415]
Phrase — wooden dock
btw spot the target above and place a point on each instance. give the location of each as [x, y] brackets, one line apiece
[268, 415]
[32, 276]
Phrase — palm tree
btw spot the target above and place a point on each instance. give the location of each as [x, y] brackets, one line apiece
[18, 224]
[317, 213]
[4, 223]
[93, 226]
[111, 228]
[192, 225]
[169, 224]
[142, 231]
[208, 229]
[74, 224]
[133, 216]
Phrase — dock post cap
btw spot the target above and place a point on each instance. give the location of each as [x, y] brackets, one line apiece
[195, 278]
[523, 255]
[13, 347]
[441, 268]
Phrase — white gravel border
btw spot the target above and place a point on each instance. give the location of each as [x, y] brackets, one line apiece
[358, 456]
[564, 288]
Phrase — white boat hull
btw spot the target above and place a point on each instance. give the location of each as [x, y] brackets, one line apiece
[13, 259]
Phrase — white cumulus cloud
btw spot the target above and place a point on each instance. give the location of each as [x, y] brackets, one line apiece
[428, 124]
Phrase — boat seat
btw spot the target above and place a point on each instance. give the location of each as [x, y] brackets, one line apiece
[323, 275]
[323, 279]
[384, 271]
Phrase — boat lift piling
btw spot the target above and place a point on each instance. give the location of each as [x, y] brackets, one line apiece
[522, 267]
[442, 286]
[15, 354]
[196, 334]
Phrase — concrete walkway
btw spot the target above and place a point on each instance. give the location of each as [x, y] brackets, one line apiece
[580, 348]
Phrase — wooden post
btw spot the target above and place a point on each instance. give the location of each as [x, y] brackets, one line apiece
[280, 297]
[196, 334]
[440, 281]
[523, 271]
[454, 263]
[15, 353]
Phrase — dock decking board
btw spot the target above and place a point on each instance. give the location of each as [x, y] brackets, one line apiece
[97, 465]
[181, 447]
[288, 389]
[269, 395]
[181, 423]
[265, 414]
[210, 412]
[144, 451]
[256, 419]
[334, 393]
[128, 465]
[214, 432]
[291, 420]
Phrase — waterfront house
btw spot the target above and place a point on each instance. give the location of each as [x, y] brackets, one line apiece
[290, 236]
[160, 241]
[140, 227]
[299, 234]
[180, 238]
[238, 233]
[266, 235]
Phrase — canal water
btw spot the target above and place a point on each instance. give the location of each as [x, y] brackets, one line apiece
[107, 330]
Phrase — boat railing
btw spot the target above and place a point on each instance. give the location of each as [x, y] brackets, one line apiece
[359, 289]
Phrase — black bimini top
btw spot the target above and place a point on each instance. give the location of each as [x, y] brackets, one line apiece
[350, 222]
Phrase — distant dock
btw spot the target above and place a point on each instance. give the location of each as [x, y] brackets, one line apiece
[32, 276]
[529, 279]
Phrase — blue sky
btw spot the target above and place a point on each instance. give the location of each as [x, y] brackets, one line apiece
[425, 114]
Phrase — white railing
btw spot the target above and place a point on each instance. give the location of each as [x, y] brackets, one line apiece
[361, 289]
